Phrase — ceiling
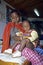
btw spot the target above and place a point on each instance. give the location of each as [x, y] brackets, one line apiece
[27, 7]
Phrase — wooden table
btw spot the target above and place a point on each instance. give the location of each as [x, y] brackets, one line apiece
[7, 63]
[8, 60]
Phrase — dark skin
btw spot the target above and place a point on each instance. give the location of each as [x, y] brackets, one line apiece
[23, 44]
[17, 40]
[15, 17]
[26, 43]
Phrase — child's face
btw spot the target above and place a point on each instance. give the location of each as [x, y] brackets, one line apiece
[26, 26]
[14, 17]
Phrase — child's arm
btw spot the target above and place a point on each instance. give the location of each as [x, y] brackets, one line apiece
[23, 44]
[15, 44]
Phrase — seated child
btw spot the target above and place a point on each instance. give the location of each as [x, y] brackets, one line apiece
[29, 35]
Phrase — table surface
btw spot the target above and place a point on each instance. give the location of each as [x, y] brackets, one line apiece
[8, 58]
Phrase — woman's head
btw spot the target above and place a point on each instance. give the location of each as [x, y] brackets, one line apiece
[15, 16]
[26, 25]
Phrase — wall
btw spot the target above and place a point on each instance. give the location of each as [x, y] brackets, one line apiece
[3, 20]
[2, 17]
[3, 11]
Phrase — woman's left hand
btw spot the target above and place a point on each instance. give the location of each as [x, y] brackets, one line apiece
[17, 38]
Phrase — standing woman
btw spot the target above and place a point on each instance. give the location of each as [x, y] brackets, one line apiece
[11, 28]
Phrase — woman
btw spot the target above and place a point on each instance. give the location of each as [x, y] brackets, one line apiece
[15, 19]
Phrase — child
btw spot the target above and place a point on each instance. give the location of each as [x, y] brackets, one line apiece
[29, 35]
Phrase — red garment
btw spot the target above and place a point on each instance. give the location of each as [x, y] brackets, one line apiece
[6, 35]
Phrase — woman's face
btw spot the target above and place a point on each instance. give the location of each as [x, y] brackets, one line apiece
[14, 17]
[26, 26]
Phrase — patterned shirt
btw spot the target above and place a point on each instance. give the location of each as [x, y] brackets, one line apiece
[32, 56]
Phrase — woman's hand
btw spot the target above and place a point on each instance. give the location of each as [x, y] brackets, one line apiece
[17, 38]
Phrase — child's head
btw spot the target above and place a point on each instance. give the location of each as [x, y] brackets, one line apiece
[15, 16]
[26, 25]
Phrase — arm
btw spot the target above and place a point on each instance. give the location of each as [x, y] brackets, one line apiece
[16, 38]
[23, 44]
[14, 45]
